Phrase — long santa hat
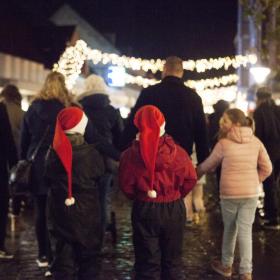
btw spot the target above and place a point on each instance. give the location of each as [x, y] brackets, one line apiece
[150, 122]
[71, 120]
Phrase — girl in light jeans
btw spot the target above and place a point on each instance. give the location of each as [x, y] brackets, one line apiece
[245, 164]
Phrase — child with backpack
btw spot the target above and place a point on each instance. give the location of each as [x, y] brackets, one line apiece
[156, 174]
[245, 164]
[74, 222]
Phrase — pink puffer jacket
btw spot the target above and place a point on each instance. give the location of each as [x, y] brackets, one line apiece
[245, 163]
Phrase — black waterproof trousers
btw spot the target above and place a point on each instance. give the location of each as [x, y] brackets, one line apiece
[72, 261]
[158, 239]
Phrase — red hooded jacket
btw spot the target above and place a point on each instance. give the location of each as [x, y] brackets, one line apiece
[174, 178]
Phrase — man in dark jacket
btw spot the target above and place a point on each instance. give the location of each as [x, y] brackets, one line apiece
[8, 158]
[267, 121]
[181, 106]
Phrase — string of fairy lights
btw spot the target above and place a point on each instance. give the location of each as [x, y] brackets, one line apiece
[198, 85]
[72, 60]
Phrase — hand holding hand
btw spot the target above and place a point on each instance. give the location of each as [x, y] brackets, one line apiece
[199, 172]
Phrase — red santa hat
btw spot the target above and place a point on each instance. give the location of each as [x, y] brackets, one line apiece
[150, 122]
[70, 120]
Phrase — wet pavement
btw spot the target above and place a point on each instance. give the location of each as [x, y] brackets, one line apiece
[202, 242]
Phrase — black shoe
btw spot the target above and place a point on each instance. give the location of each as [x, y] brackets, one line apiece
[271, 225]
[4, 255]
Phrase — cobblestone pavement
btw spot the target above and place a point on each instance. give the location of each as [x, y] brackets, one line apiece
[202, 242]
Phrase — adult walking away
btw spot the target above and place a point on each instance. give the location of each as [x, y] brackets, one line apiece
[12, 100]
[181, 106]
[8, 158]
[41, 114]
[109, 124]
[267, 122]
[213, 128]
[214, 121]
[156, 174]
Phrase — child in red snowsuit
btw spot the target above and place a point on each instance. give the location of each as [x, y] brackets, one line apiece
[156, 174]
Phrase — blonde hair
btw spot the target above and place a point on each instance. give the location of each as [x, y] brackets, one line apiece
[55, 88]
[237, 117]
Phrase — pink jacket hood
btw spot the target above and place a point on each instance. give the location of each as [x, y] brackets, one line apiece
[240, 134]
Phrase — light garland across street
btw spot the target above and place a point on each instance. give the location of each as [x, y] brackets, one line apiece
[198, 85]
[72, 60]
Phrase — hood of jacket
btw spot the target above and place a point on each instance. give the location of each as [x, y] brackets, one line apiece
[240, 134]
[166, 152]
[95, 101]
[47, 110]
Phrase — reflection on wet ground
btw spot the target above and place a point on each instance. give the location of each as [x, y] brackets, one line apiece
[202, 242]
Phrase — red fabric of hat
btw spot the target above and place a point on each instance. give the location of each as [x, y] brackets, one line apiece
[148, 119]
[67, 119]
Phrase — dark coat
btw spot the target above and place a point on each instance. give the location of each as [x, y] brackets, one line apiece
[79, 223]
[8, 152]
[267, 123]
[104, 117]
[107, 121]
[214, 121]
[175, 175]
[40, 115]
[183, 111]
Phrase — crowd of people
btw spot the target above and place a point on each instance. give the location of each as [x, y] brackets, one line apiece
[163, 153]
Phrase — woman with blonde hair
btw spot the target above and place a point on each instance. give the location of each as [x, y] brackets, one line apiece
[41, 115]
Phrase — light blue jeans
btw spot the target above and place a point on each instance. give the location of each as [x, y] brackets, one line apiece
[238, 217]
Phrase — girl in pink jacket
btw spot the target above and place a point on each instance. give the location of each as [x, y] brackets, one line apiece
[245, 164]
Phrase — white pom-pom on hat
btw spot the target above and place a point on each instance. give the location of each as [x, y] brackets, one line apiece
[152, 194]
[69, 201]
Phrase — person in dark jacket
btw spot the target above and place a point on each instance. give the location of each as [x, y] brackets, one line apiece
[156, 174]
[214, 121]
[109, 124]
[213, 130]
[41, 115]
[8, 158]
[181, 106]
[72, 169]
[12, 100]
[267, 129]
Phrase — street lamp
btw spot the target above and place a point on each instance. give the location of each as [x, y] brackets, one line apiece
[260, 73]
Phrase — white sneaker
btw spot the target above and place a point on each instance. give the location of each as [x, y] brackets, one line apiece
[4, 255]
[48, 273]
[42, 261]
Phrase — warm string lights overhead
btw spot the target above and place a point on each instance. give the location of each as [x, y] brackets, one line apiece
[198, 85]
[211, 96]
[71, 62]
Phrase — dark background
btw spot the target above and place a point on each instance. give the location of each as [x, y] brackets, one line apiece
[155, 28]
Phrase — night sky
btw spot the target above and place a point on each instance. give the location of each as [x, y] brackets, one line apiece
[157, 28]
